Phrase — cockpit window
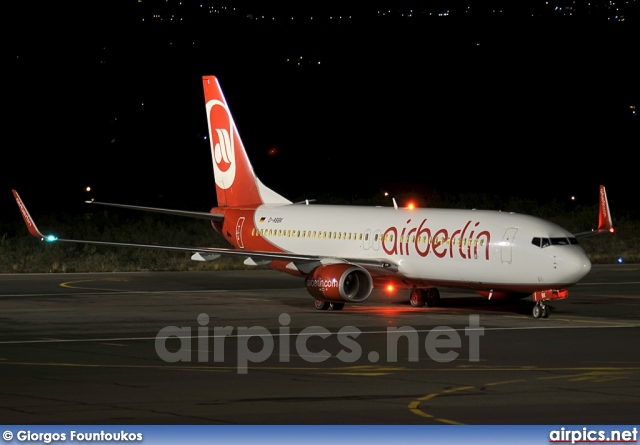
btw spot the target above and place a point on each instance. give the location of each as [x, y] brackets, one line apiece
[557, 241]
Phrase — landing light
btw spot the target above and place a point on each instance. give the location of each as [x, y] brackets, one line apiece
[51, 238]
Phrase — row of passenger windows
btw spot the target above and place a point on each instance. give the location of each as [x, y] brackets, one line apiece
[360, 236]
[312, 234]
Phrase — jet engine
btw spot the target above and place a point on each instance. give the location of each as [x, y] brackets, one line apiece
[340, 282]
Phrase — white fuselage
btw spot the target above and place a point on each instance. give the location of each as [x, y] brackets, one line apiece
[472, 248]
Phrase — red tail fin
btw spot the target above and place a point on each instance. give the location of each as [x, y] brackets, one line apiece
[604, 217]
[236, 183]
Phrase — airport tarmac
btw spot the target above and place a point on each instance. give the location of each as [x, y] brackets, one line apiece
[248, 347]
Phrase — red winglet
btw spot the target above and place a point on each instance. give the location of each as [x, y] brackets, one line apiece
[31, 225]
[604, 217]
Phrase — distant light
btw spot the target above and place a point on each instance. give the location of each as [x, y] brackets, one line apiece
[620, 260]
[573, 198]
[51, 238]
[87, 189]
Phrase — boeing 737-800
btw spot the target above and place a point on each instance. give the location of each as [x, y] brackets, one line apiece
[343, 252]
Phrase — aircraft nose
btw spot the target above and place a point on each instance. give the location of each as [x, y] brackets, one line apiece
[576, 265]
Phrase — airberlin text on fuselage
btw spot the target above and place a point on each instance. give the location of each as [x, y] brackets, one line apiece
[423, 240]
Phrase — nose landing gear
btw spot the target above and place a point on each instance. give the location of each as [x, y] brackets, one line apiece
[541, 297]
[541, 310]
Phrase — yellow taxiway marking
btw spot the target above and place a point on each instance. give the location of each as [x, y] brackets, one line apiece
[595, 374]
[570, 320]
[414, 406]
[72, 284]
[506, 382]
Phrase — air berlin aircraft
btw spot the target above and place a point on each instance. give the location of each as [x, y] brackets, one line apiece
[343, 252]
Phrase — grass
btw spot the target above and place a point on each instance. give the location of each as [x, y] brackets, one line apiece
[22, 253]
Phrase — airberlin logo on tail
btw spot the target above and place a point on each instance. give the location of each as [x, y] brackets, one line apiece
[222, 143]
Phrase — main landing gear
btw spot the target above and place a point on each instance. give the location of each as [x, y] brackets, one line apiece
[541, 310]
[324, 305]
[420, 297]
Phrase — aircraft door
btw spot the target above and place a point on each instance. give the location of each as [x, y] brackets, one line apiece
[366, 240]
[377, 239]
[239, 225]
[507, 244]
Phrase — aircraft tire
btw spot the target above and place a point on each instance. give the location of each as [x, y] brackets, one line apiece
[537, 311]
[546, 310]
[433, 297]
[417, 297]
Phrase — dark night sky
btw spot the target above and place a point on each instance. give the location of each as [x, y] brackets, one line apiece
[520, 107]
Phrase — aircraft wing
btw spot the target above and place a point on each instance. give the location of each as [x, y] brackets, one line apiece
[302, 261]
[201, 215]
[605, 223]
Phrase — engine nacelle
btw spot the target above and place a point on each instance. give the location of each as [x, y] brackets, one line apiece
[340, 282]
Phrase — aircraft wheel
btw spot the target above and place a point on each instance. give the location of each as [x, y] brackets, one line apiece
[321, 305]
[417, 297]
[336, 306]
[537, 311]
[433, 297]
[546, 310]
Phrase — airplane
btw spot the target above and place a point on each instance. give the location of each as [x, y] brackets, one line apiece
[343, 252]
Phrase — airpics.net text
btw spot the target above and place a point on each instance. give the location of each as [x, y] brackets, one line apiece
[256, 344]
